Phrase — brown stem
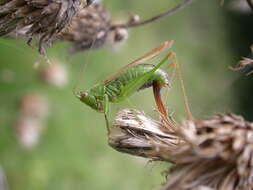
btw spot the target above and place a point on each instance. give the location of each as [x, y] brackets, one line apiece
[155, 18]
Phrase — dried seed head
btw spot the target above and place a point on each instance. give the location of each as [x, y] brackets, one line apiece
[209, 154]
[42, 18]
[134, 133]
[92, 28]
[246, 64]
[119, 35]
[54, 74]
[88, 29]
[218, 154]
[134, 19]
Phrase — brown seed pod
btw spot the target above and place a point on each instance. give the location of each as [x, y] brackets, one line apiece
[91, 27]
[88, 29]
[42, 18]
[118, 35]
[54, 74]
[218, 155]
[209, 154]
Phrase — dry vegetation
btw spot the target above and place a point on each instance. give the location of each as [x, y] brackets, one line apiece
[207, 154]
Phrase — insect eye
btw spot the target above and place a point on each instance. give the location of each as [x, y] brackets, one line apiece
[84, 94]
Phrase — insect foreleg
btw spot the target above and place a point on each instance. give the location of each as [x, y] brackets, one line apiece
[106, 111]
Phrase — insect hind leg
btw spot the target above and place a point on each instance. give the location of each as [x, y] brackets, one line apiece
[106, 112]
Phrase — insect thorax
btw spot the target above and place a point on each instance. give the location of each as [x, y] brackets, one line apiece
[114, 87]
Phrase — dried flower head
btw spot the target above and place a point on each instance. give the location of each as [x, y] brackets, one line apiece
[209, 154]
[134, 133]
[89, 26]
[218, 155]
[246, 64]
[88, 29]
[92, 28]
[42, 18]
[54, 74]
[119, 35]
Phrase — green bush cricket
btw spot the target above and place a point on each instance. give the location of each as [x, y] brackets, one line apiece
[131, 78]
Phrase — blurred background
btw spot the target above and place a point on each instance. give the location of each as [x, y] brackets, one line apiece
[50, 140]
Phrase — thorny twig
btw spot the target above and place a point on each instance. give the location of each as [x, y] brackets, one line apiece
[155, 18]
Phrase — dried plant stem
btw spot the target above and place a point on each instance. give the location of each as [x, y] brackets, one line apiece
[250, 4]
[155, 18]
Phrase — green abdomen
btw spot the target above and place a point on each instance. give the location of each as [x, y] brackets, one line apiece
[114, 88]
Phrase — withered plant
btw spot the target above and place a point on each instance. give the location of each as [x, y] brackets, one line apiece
[86, 27]
[207, 154]
[93, 26]
[245, 64]
[41, 19]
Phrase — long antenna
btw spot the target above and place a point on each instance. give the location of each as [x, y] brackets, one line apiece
[81, 73]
